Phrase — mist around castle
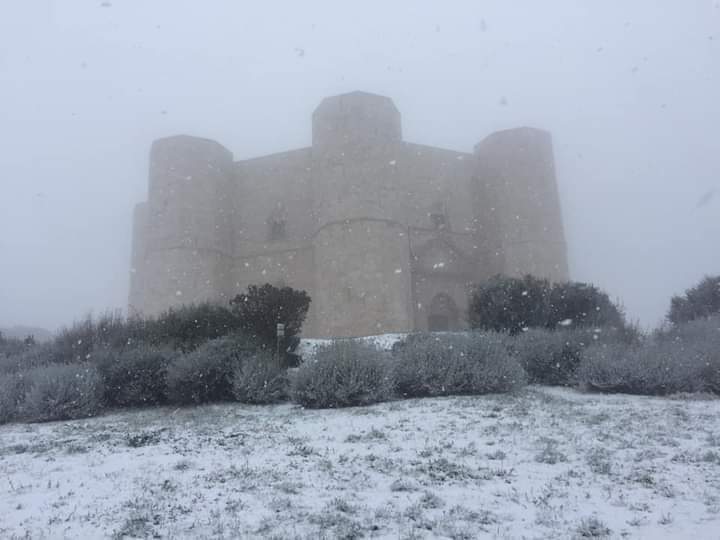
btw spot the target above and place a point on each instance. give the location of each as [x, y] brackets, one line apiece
[321, 270]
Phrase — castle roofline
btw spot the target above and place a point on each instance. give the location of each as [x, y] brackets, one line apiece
[355, 96]
[516, 132]
[282, 153]
[183, 137]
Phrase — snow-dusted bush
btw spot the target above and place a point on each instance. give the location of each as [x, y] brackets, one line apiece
[74, 343]
[683, 359]
[28, 358]
[344, 373]
[453, 364]
[134, 376]
[652, 369]
[60, 392]
[551, 356]
[261, 308]
[698, 302]
[582, 304]
[183, 328]
[12, 391]
[513, 304]
[10, 346]
[187, 327]
[206, 374]
[700, 339]
[509, 304]
[259, 380]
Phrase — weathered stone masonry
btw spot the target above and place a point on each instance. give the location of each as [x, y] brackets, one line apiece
[385, 235]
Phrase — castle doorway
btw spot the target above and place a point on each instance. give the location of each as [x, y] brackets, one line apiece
[443, 314]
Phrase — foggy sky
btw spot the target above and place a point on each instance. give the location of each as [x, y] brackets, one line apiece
[629, 90]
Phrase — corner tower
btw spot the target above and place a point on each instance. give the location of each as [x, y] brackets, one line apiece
[361, 250]
[516, 171]
[183, 235]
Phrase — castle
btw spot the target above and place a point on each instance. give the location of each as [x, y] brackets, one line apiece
[385, 235]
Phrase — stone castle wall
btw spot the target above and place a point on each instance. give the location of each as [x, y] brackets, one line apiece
[516, 168]
[385, 235]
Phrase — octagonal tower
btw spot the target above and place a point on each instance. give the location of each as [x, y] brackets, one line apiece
[184, 235]
[361, 250]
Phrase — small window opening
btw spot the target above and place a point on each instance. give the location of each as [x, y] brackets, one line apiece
[277, 230]
[438, 220]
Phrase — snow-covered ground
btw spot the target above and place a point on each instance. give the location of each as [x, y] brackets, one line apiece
[384, 342]
[545, 463]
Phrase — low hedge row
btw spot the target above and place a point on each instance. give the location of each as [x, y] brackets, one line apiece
[349, 373]
[227, 368]
[685, 358]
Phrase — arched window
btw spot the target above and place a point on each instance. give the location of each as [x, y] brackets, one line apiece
[443, 314]
[439, 216]
[276, 223]
[277, 230]
[439, 221]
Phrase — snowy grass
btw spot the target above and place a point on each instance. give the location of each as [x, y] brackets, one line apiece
[542, 463]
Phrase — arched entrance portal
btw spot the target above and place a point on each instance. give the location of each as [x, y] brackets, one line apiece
[443, 314]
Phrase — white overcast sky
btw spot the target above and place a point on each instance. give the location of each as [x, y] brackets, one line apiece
[630, 90]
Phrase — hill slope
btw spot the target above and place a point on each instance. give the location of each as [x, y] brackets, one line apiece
[21, 332]
[544, 463]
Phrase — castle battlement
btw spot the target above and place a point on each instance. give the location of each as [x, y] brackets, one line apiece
[385, 235]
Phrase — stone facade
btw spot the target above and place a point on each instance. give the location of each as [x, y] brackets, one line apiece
[385, 235]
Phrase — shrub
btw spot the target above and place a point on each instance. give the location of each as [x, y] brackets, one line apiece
[206, 374]
[62, 393]
[448, 364]
[29, 358]
[582, 304]
[73, 344]
[551, 357]
[652, 369]
[699, 340]
[12, 390]
[183, 328]
[507, 304]
[187, 327]
[134, 377]
[259, 380]
[700, 301]
[10, 346]
[260, 309]
[343, 374]
[684, 359]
